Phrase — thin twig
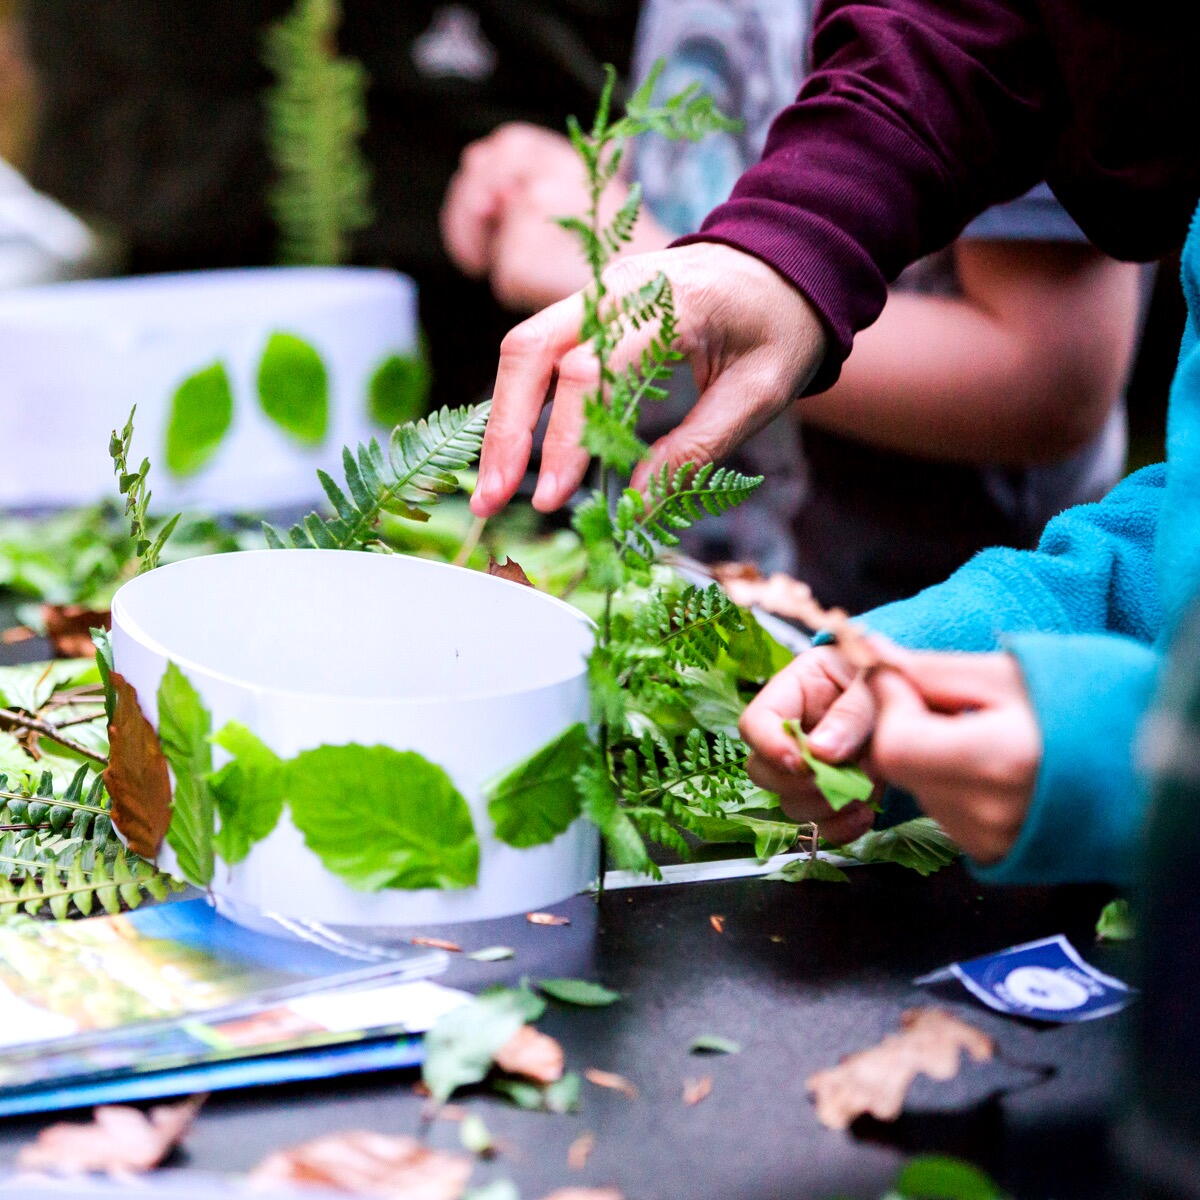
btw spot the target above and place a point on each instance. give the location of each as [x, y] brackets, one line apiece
[470, 542]
[46, 730]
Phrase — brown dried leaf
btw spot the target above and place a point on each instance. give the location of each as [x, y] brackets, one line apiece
[877, 1080]
[436, 944]
[118, 1140]
[584, 1193]
[695, 1090]
[509, 569]
[136, 776]
[544, 918]
[369, 1164]
[580, 1151]
[717, 921]
[531, 1054]
[610, 1079]
[69, 628]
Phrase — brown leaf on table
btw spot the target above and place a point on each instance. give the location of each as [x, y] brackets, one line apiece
[69, 628]
[436, 944]
[136, 776]
[369, 1164]
[695, 1090]
[584, 1193]
[544, 918]
[611, 1080]
[717, 921]
[876, 1081]
[580, 1150]
[118, 1140]
[531, 1054]
[508, 569]
[788, 597]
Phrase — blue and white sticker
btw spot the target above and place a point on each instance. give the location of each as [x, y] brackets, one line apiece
[1044, 980]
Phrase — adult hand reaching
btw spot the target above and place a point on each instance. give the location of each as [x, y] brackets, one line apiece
[751, 339]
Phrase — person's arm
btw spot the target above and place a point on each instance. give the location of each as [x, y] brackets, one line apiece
[1022, 367]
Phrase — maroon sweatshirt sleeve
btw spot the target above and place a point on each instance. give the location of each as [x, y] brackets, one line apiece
[918, 115]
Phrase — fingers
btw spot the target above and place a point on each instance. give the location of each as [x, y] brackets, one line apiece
[468, 221]
[802, 801]
[954, 682]
[529, 356]
[843, 732]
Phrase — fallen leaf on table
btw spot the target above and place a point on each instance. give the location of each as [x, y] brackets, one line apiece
[584, 1193]
[118, 1140]
[876, 1081]
[136, 776]
[544, 918]
[717, 922]
[711, 1043]
[610, 1079]
[436, 944]
[531, 1054]
[508, 569]
[580, 1151]
[695, 1090]
[579, 991]
[475, 1136]
[369, 1164]
[69, 628]
[492, 954]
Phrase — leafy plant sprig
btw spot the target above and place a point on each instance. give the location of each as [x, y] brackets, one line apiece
[132, 484]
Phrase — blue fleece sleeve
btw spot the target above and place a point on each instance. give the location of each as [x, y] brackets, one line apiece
[1090, 693]
[1093, 572]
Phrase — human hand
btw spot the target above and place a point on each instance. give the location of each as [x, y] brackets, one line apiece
[751, 339]
[959, 733]
[836, 709]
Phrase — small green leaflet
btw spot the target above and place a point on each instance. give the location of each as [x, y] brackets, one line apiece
[399, 389]
[474, 1135]
[537, 800]
[578, 991]
[809, 869]
[492, 954]
[921, 844]
[200, 415]
[840, 785]
[293, 388]
[248, 791]
[183, 728]
[421, 833]
[933, 1177]
[459, 1049]
[1115, 923]
[562, 1096]
[497, 1189]
[102, 640]
[532, 1006]
[710, 1043]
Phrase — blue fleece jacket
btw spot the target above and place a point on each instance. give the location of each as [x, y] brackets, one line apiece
[1087, 615]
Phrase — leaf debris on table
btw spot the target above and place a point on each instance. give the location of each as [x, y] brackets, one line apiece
[545, 918]
[876, 1081]
[118, 1140]
[581, 992]
[711, 1043]
[532, 1055]
[436, 944]
[475, 1136]
[612, 1081]
[717, 921]
[580, 1150]
[361, 1163]
[492, 954]
[695, 1090]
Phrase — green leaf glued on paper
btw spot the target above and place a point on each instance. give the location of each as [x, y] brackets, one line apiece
[293, 388]
[184, 726]
[200, 415]
[810, 870]
[920, 844]
[538, 800]
[248, 791]
[382, 818]
[398, 389]
[581, 992]
[840, 785]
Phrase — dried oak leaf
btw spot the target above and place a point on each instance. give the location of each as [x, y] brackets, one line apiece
[695, 1090]
[584, 1193]
[611, 1080]
[136, 776]
[580, 1151]
[69, 628]
[368, 1164]
[545, 918]
[509, 569]
[118, 1140]
[436, 943]
[876, 1081]
[532, 1055]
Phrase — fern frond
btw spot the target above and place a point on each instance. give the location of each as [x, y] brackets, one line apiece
[705, 773]
[79, 814]
[147, 546]
[692, 629]
[610, 436]
[600, 804]
[655, 827]
[417, 469]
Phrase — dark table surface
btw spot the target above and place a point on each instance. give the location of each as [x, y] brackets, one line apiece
[802, 975]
